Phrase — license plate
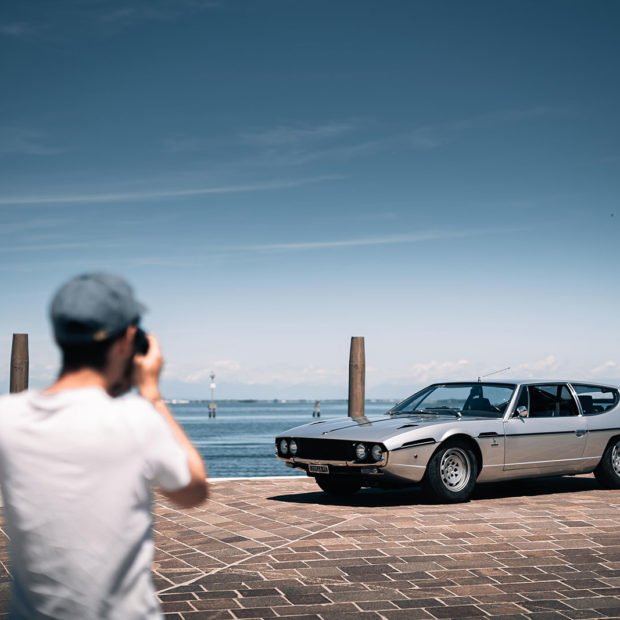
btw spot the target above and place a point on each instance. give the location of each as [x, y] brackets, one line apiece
[318, 469]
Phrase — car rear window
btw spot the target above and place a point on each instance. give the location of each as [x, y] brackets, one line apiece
[596, 399]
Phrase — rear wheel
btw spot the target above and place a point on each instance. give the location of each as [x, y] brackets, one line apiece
[608, 470]
[339, 485]
[451, 473]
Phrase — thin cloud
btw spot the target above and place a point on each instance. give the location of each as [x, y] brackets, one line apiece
[298, 157]
[20, 141]
[282, 145]
[127, 15]
[10, 228]
[609, 368]
[434, 370]
[177, 193]
[421, 373]
[430, 235]
[279, 374]
[545, 366]
[298, 145]
[77, 245]
[179, 143]
[440, 134]
[154, 10]
[19, 30]
[288, 135]
[289, 145]
[227, 367]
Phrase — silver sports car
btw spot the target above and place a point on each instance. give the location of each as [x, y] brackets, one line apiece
[449, 436]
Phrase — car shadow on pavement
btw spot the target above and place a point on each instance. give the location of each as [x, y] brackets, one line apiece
[373, 498]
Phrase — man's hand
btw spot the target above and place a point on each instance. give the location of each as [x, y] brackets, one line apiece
[147, 369]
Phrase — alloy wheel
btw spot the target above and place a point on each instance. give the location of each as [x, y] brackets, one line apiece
[455, 469]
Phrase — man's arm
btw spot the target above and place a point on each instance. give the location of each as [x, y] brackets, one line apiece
[147, 369]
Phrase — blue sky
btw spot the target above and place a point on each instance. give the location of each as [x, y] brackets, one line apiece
[275, 177]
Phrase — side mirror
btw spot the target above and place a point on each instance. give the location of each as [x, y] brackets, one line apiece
[522, 411]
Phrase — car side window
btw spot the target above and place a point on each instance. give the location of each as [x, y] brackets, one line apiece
[596, 399]
[547, 401]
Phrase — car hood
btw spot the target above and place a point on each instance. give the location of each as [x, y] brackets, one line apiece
[377, 429]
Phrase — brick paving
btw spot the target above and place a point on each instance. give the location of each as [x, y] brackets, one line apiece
[270, 548]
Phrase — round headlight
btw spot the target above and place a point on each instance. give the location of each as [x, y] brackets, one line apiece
[283, 446]
[293, 447]
[376, 452]
[360, 451]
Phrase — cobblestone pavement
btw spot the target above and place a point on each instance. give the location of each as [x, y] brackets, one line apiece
[267, 548]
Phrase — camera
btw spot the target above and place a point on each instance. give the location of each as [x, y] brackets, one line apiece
[141, 342]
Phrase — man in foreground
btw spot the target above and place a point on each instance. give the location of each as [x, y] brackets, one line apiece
[77, 464]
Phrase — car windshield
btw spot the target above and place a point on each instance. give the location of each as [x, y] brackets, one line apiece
[488, 400]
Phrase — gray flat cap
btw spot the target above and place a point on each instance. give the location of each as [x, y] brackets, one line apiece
[93, 307]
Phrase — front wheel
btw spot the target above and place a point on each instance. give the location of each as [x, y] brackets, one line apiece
[451, 473]
[339, 485]
[608, 470]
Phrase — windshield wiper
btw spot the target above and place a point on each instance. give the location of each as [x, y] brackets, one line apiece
[429, 412]
[455, 410]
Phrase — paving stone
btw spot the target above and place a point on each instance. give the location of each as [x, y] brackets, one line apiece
[207, 615]
[578, 614]
[362, 595]
[213, 604]
[259, 592]
[203, 594]
[333, 609]
[307, 599]
[421, 602]
[178, 606]
[261, 601]
[544, 605]
[355, 615]
[254, 612]
[375, 605]
[456, 611]
[593, 602]
[407, 614]
[540, 595]
[502, 609]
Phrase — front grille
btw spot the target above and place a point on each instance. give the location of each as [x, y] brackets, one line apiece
[325, 449]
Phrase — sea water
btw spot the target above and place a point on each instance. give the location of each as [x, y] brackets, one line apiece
[240, 440]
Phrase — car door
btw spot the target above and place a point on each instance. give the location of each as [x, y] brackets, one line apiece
[551, 437]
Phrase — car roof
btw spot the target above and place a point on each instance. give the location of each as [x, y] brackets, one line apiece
[515, 382]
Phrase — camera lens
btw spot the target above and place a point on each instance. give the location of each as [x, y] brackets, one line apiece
[141, 342]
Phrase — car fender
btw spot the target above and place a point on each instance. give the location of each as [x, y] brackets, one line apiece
[456, 435]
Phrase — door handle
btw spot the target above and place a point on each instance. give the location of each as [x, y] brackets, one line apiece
[580, 433]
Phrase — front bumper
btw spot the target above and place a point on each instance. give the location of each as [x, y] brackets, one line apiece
[403, 466]
[294, 461]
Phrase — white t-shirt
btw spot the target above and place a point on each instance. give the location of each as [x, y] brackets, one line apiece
[76, 471]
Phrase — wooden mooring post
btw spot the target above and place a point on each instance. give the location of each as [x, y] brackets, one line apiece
[19, 363]
[357, 372]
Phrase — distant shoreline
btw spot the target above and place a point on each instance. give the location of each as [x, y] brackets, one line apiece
[270, 401]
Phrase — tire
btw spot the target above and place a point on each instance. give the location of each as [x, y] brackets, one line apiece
[451, 473]
[339, 485]
[607, 471]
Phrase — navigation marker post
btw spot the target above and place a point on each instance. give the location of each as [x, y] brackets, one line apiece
[212, 406]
